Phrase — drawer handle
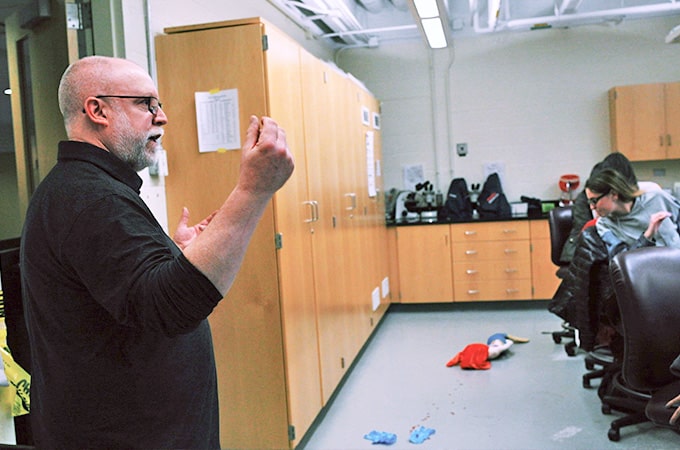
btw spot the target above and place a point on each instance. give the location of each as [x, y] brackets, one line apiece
[509, 270]
[509, 230]
[472, 292]
[471, 272]
[512, 291]
[509, 251]
[470, 252]
[470, 233]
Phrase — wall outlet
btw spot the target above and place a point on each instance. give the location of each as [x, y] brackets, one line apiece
[461, 149]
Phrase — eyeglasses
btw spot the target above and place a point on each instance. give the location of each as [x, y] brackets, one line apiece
[152, 103]
[593, 201]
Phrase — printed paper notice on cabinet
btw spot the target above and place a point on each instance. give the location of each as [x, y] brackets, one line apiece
[370, 163]
[217, 114]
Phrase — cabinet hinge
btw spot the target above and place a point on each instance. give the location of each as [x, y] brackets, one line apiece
[291, 432]
[278, 240]
[265, 43]
[78, 16]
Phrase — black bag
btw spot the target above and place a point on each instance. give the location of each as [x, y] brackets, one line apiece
[457, 205]
[492, 201]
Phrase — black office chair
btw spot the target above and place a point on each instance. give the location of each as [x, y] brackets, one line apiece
[560, 222]
[647, 289]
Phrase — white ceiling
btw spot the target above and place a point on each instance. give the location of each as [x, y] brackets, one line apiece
[363, 22]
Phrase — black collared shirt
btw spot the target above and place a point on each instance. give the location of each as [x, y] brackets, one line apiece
[121, 348]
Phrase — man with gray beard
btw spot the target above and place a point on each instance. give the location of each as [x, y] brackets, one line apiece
[116, 310]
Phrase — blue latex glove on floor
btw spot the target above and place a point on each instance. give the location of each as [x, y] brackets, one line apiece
[381, 437]
[420, 434]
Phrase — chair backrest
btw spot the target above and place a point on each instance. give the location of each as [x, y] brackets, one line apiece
[560, 220]
[647, 286]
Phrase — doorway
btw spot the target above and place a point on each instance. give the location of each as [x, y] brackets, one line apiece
[39, 39]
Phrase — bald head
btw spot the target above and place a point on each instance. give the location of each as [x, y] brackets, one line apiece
[97, 75]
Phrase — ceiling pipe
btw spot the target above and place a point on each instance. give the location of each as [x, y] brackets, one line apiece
[578, 18]
[370, 31]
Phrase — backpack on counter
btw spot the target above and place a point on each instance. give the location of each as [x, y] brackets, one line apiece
[457, 205]
[492, 201]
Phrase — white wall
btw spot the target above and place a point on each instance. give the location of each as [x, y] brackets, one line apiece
[534, 101]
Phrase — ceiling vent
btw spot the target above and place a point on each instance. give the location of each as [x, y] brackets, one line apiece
[330, 19]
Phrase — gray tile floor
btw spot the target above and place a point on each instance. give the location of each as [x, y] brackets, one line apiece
[531, 398]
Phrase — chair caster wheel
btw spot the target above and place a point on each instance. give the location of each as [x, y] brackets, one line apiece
[589, 365]
[606, 409]
[571, 351]
[614, 435]
[586, 383]
[556, 338]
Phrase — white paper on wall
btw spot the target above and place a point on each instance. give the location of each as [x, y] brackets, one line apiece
[370, 163]
[413, 175]
[217, 120]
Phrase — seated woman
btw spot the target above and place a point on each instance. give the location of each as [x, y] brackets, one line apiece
[675, 401]
[627, 218]
[630, 218]
[582, 214]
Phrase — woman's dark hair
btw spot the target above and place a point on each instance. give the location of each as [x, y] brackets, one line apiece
[621, 164]
[610, 180]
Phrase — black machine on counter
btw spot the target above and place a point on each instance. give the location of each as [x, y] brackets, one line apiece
[421, 205]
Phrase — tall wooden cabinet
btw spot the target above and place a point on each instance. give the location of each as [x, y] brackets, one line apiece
[301, 307]
[645, 121]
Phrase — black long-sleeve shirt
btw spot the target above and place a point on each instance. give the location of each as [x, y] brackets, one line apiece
[121, 349]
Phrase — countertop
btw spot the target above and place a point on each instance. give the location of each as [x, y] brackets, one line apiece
[402, 223]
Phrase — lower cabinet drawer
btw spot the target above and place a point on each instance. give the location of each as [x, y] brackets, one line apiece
[491, 270]
[475, 291]
[490, 251]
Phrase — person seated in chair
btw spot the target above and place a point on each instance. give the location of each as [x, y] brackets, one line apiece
[675, 401]
[583, 214]
[630, 218]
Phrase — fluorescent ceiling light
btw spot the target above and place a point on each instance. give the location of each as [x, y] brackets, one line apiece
[426, 8]
[434, 32]
[434, 23]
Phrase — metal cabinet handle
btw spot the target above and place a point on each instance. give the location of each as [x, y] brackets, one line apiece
[510, 270]
[471, 272]
[509, 230]
[313, 209]
[512, 291]
[470, 252]
[473, 291]
[353, 201]
[668, 140]
[509, 251]
[470, 233]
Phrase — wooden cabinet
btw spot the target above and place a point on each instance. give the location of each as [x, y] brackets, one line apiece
[645, 121]
[491, 261]
[488, 261]
[543, 271]
[300, 307]
[424, 254]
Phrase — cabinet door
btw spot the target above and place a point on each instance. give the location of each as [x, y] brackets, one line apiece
[296, 275]
[246, 326]
[672, 91]
[543, 271]
[425, 264]
[330, 257]
[637, 120]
